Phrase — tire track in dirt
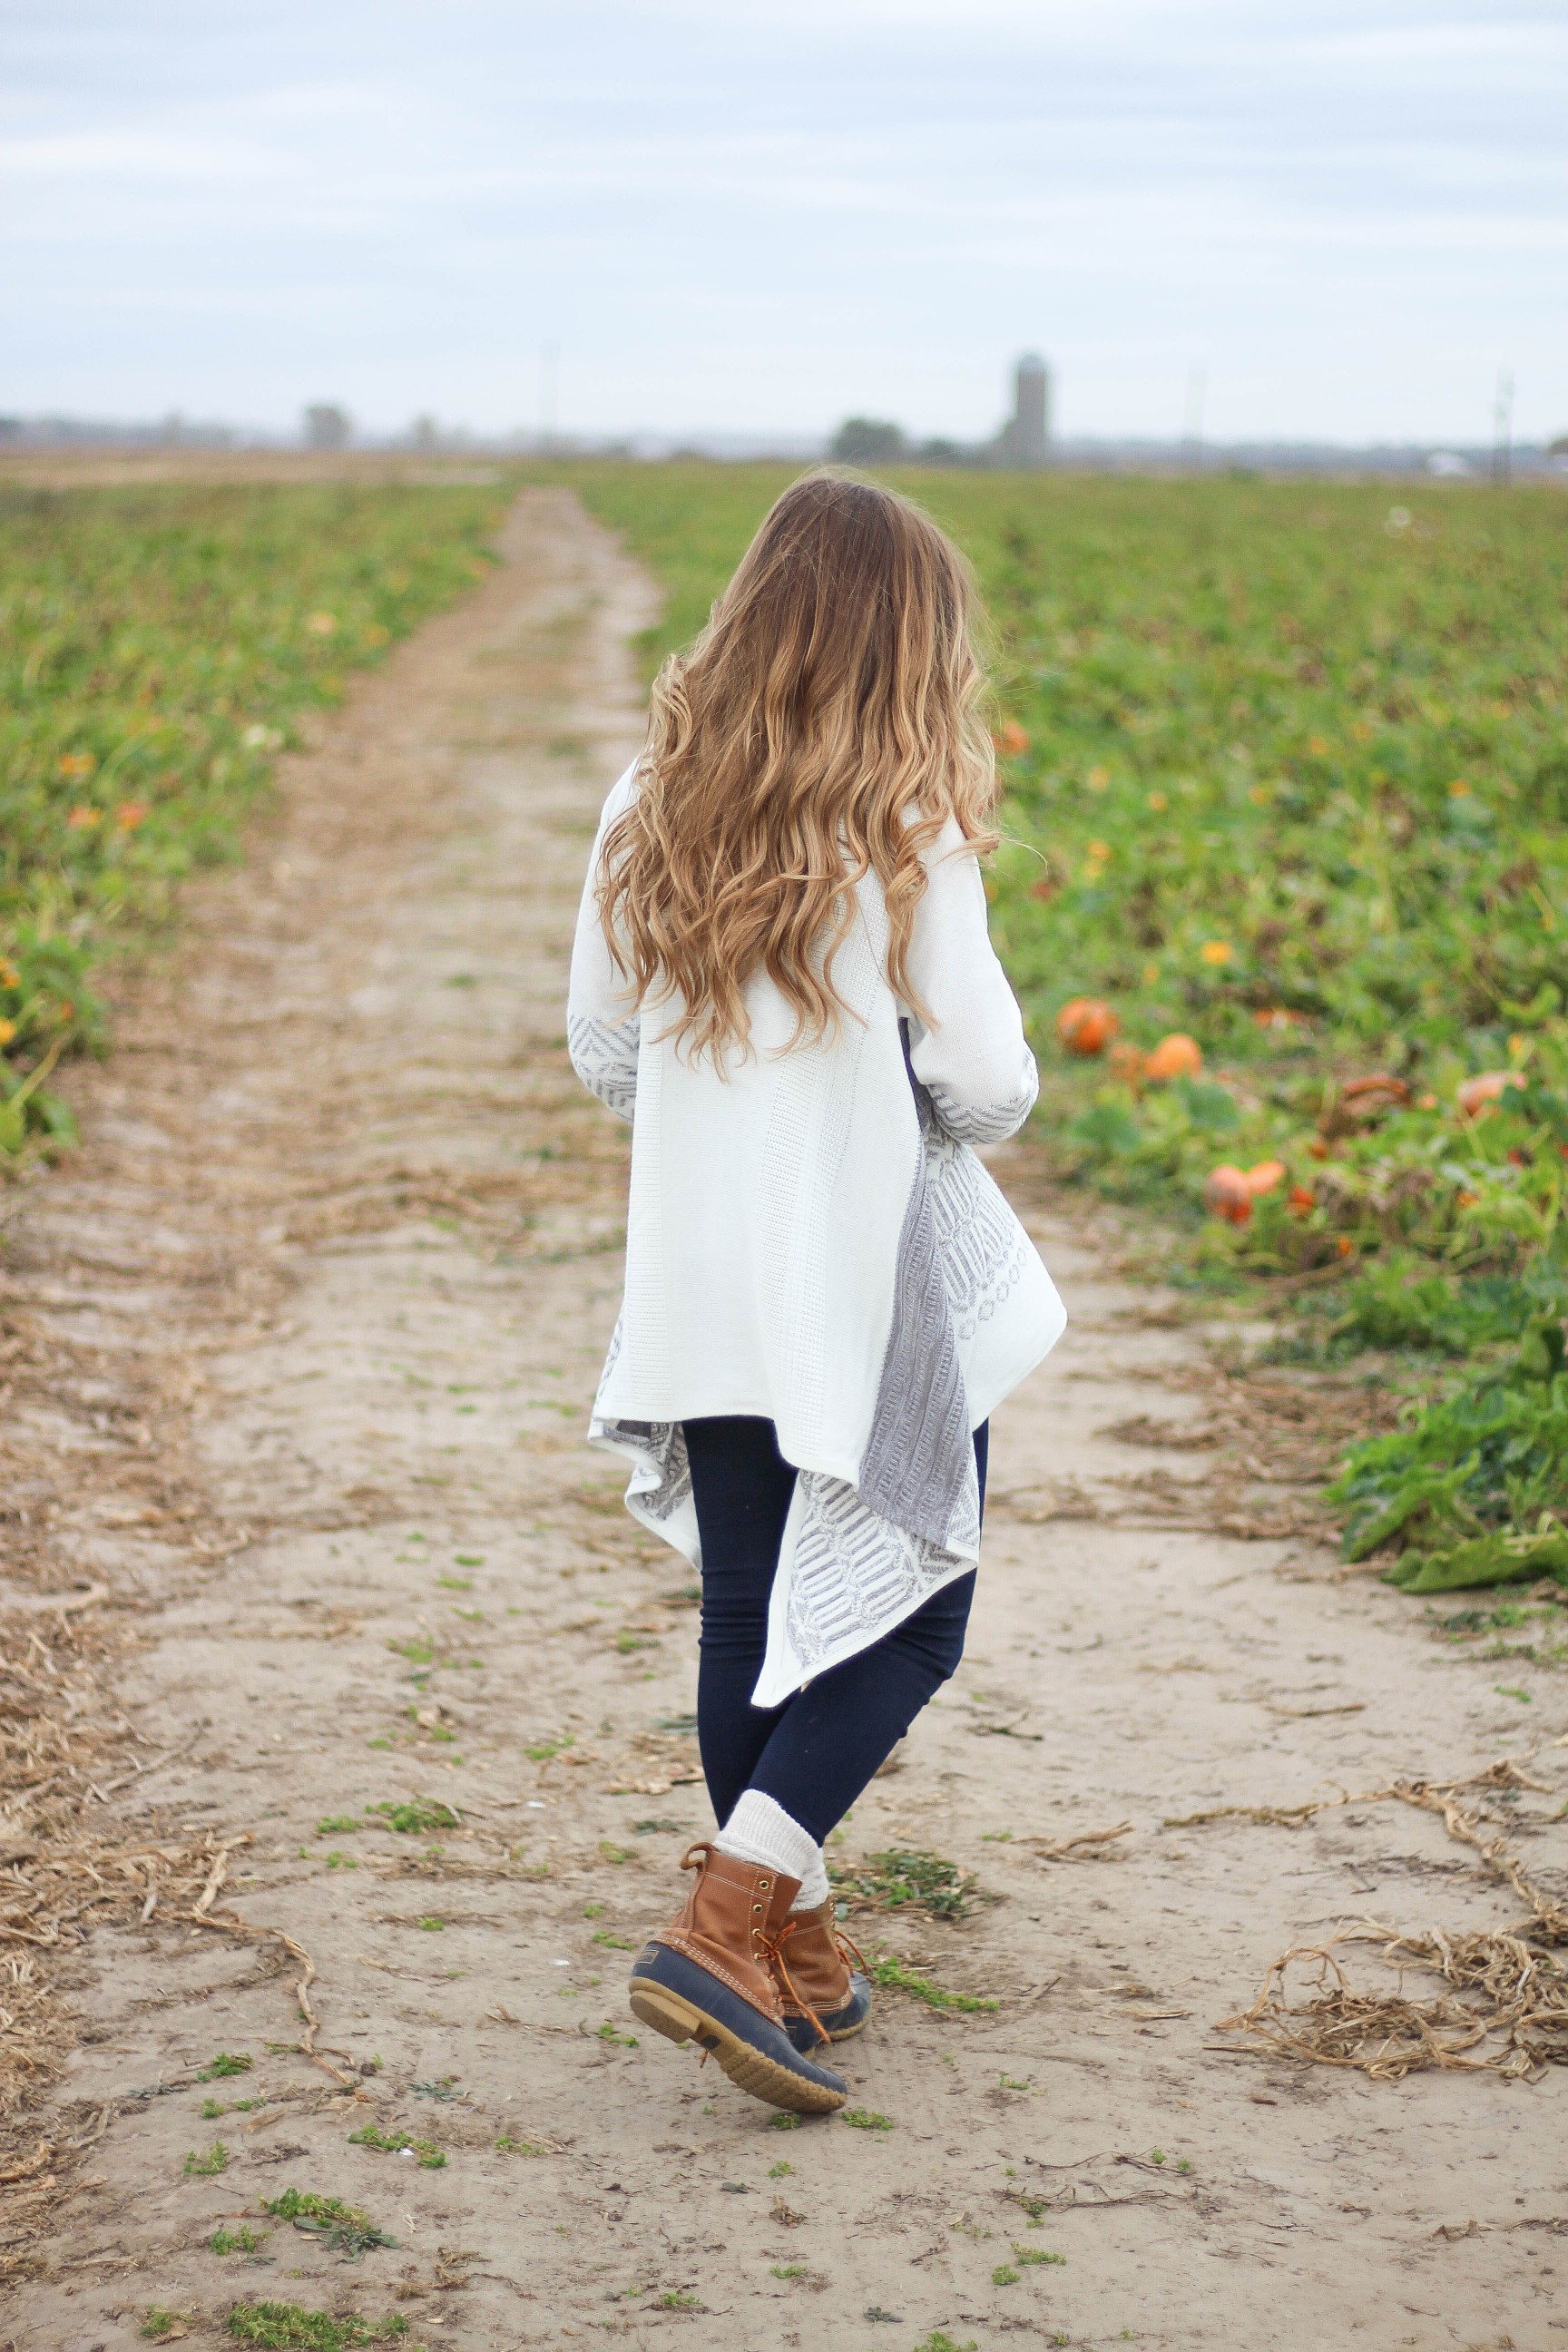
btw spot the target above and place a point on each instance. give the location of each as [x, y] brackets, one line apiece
[344, 1246]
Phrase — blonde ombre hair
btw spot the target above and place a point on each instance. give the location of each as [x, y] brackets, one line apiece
[824, 725]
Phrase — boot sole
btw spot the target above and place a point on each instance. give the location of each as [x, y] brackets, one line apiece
[750, 2070]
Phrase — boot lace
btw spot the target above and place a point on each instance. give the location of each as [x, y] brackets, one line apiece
[848, 1949]
[773, 1952]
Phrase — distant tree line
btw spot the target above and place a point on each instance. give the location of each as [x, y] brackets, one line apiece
[873, 441]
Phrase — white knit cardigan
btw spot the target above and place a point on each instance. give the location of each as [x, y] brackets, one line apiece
[811, 1239]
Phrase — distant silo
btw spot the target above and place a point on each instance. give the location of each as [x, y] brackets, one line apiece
[1025, 439]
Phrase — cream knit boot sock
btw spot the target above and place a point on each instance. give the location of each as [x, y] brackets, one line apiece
[759, 1830]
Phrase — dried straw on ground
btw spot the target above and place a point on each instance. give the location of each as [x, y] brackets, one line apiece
[1506, 2011]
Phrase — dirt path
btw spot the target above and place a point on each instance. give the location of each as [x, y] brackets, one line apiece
[343, 1249]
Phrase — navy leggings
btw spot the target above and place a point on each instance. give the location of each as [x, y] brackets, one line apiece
[815, 1753]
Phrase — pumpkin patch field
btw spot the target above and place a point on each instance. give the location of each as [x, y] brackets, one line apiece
[1284, 893]
[158, 647]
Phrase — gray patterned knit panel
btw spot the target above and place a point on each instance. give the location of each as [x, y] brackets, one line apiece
[662, 1446]
[605, 1057]
[977, 1123]
[917, 1457]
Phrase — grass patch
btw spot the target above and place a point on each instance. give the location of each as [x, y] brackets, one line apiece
[866, 2119]
[159, 2324]
[539, 1751]
[201, 2164]
[288, 2327]
[227, 2062]
[907, 1878]
[430, 2156]
[418, 1648]
[416, 1816]
[893, 1975]
[243, 2241]
[346, 2229]
[1545, 1613]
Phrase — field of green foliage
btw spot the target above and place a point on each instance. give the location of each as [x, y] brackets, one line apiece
[1287, 805]
[158, 645]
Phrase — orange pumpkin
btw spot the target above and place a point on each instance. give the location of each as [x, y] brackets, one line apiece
[1380, 1092]
[1478, 1095]
[1303, 1199]
[1264, 1176]
[1010, 740]
[1085, 1025]
[1127, 1062]
[1228, 1194]
[1175, 1056]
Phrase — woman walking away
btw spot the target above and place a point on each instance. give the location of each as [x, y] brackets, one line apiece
[782, 977]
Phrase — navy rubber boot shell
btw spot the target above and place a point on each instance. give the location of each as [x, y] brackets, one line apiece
[686, 2003]
[838, 2024]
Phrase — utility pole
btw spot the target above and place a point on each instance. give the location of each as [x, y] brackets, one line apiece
[1502, 432]
[549, 395]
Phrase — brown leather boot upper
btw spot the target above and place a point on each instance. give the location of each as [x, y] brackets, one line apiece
[731, 1923]
[812, 1955]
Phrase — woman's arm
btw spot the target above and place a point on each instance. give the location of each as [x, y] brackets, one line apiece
[972, 1059]
[602, 1033]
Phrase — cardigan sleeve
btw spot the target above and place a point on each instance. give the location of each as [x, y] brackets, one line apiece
[603, 1031]
[973, 1060]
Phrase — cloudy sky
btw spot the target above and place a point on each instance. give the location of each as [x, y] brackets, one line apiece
[762, 215]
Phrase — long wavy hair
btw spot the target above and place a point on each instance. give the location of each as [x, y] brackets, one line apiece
[824, 725]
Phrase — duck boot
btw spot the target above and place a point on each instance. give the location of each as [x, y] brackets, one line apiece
[711, 1977]
[825, 1997]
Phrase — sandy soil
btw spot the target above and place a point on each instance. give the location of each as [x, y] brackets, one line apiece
[345, 1216]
